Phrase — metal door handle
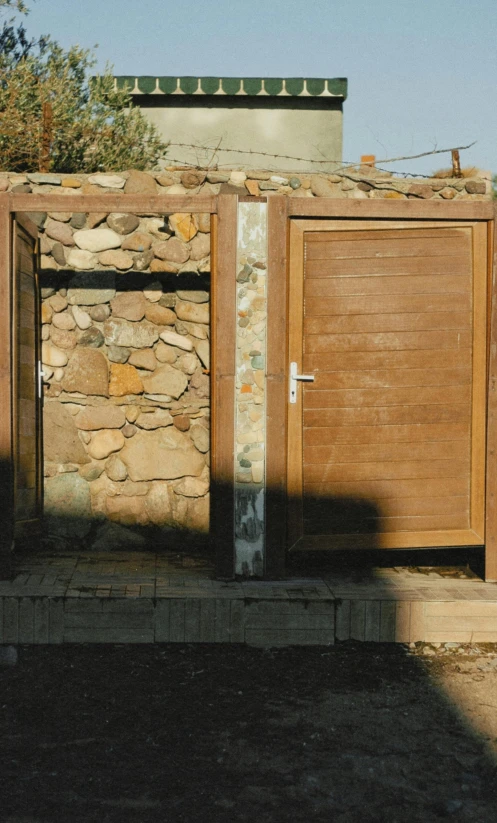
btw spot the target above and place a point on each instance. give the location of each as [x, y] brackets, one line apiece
[294, 377]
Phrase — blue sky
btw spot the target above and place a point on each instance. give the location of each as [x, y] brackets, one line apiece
[422, 73]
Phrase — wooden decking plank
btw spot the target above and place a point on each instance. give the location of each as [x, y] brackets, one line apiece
[372, 621]
[162, 621]
[26, 619]
[108, 635]
[357, 619]
[103, 620]
[387, 621]
[237, 621]
[41, 620]
[177, 621]
[457, 608]
[56, 620]
[284, 637]
[11, 620]
[192, 620]
[207, 620]
[222, 627]
[417, 628]
[402, 621]
[471, 623]
[342, 620]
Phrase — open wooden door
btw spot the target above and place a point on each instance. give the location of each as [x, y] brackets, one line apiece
[26, 383]
[386, 436]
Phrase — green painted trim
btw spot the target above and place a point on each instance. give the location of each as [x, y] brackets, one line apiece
[231, 85]
[125, 81]
[295, 86]
[273, 85]
[338, 86]
[167, 84]
[315, 86]
[189, 85]
[252, 86]
[147, 85]
[209, 85]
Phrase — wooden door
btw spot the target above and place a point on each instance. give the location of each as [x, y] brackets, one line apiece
[26, 384]
[386, 447]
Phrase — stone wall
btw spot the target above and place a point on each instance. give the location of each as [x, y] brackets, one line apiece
[361, 182]
[125, 354]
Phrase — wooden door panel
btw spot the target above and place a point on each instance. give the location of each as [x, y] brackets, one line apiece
[387, 442]
[320, 398]
[395, 285]
[377, 268]
[390, 341]
[386, 378]
[372, 360]
[410, 321]
[375, 304]
[383, 452]
[385, 416]
[414, 433]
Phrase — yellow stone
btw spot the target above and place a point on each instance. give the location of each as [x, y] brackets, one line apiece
[185, 226]
[252, 187]
[393, 195]
[259, 378]
[257, 472]
[124, 379]
[46, 313]
[163, 266]
[71, 183]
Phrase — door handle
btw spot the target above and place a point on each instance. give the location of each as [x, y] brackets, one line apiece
[294, 377]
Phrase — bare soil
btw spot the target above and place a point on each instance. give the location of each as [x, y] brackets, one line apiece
[355, 732]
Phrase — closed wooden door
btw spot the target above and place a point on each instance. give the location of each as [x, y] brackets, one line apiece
[26, 385]
[386, 444]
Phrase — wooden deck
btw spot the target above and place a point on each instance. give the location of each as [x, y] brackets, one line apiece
[132, 597]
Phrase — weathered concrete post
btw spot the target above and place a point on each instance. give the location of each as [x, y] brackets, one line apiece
[250, 389]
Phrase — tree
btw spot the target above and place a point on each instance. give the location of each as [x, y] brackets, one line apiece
[15, 5]
[55, 116]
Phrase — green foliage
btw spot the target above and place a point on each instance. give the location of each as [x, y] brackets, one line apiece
[93, 126]
[494, 186]
[14, 5]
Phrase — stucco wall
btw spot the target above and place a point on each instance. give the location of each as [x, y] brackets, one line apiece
[313, 133]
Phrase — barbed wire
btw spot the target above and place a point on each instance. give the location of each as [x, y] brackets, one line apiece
[343, 166]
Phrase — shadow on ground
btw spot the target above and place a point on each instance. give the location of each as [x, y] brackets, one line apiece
[182, 733]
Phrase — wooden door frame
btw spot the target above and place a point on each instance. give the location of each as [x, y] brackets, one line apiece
[280, 211]
[223, 211]
[32, 527]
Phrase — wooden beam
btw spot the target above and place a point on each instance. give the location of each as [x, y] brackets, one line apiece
[491, 467]
[28, 225]
[6, 451]
[391, 209]
[223, 313]
[124, 203]
[276, 387]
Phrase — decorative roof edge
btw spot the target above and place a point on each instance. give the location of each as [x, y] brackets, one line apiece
[235, 86]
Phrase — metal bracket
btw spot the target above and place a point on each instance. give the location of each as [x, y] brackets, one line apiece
[294, 377]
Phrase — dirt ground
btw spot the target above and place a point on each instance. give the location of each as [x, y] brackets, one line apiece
[355, 732]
